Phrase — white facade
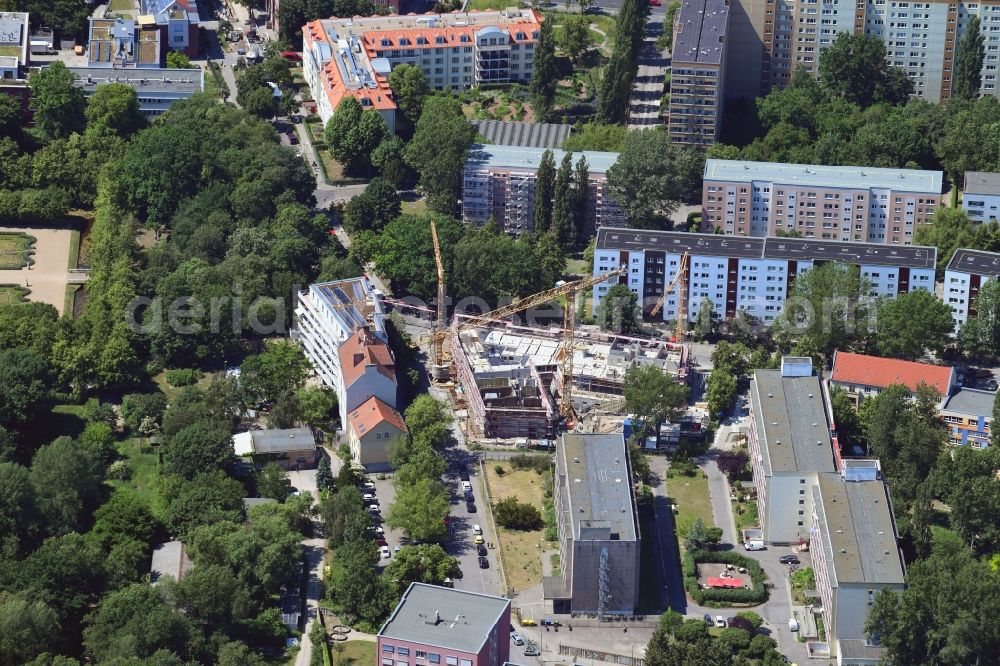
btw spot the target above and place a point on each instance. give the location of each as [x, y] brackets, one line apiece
[966, 274]
[721, 271]
[982, 207]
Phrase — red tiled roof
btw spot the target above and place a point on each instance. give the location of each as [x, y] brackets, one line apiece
[371, 413]
[363, 350]
[880, 372]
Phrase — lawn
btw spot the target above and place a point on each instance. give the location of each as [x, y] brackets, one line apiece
[10, 51]
[120, 6]
[522, 553]
[15, 250]
[145, 473]
[690, 494]
[417, 207]
[577, 267]
[173, 391]
[492, 4]
[12, 293]
[353, 653]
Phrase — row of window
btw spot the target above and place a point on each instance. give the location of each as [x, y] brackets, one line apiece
[430, 657]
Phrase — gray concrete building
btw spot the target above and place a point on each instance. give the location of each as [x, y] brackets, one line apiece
[598, 528]
[698, 68]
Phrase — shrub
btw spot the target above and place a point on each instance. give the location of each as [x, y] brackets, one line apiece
[735, 640]
[753, 618]
[499, 470]
[540, 464]
[515, 515]
[183, 376]
[120, 470]
[741, 623]
[691, 631]
[757, 594]
[760, 645]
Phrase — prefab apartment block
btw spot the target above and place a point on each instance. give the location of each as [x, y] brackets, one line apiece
[598, 528]
[841, 203]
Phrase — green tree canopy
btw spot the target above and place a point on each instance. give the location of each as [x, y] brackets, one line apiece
[969, 59]
[420, 509]
[544, 73]
[115, 106]
[980, 334]
[58, 104]
[618, 311]
[374, 208]
[913, 324]
[280, 368]
[198, 448]
[652, 394]
[410, 89]
[855, 68]
[438, 150]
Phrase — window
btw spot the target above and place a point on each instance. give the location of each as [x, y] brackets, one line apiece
[387, 661]
[420, 654]
[388, 649]
[434, 657]
[451, 661]
[403, 651]
[466, 662]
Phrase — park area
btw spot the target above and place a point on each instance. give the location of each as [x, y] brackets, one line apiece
[522, 549]
[35, 266]
[691, 497]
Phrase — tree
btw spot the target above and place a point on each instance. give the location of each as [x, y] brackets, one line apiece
[563, 209]
[136, 407]
[25, 381]
[208, 594]
[198, 448]
[341, 511]
[353, 134]
[26, 629]
[825, 307]
[261, 102]
[617, 311]
[980, 334]
[652, 395]
[410, 89]
[732, 463]
[545, 179]
[854, 67]
[646, 178]
[280, 368]
[912, 324]
[426, 563]
[616, 86]
[950, 229]
[723, 386]
[424, 419]
[272, 481]
[575, 36]
[19, 516]
[58, 105]
[136, 622]
[362, 593]
[210, 497]
[324, 475]
[438, 150]
[374, 208]
[238, 654]
[115, 106]
[995, 429]
[581, 186]
[707, 321]
[11, 117]
[178, 60]
[67, 485]
[544, 74]
[420, 510]
[404, 252]
[921, 520]
[316, 405]
[969, 62]
[516, 515]
[389, 159]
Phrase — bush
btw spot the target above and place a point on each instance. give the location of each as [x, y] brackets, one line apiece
[540, 464]
[691, 631]
[120, 470]
[753, 618]
[735, 640]
[183, 376]
[499, 470]
[515, 515]
[757, 594]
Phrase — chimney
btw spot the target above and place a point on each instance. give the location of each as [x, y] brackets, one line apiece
[437, 616]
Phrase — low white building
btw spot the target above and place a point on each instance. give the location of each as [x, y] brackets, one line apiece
[750, 274]
[967, 271]
[156, 88]
[981, 197]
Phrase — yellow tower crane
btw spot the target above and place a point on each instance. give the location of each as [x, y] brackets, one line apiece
[439, 367]
[680, 281]
[568, 290]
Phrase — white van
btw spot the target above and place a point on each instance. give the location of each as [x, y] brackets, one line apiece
[754, 544]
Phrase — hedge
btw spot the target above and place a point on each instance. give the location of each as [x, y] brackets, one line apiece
[757, 594]
[183, 376]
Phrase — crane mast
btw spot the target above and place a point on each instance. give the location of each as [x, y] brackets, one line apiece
[439, 368]
[680, 281]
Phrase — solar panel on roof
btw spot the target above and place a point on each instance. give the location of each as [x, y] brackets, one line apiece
[341, 296]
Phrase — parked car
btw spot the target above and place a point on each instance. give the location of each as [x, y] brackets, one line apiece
[381, 541]
[793, 624]
[549, 622]
[373, 508]
[478, 539]
[531, 650]
[463, 473]
[386, 553]
[292, 139]
[516, 637]
[484, 563]
[476, 529]
[466, 486]
[369, 498]
[720, 621]
[368, 487]
[481, 549]
[470, 507]
[789, 559]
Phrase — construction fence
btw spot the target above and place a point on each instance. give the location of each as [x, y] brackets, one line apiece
[599, 655]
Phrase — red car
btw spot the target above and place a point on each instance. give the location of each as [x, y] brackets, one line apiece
[655, 3]
[297, 57]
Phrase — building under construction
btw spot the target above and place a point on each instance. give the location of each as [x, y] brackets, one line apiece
[510, 378]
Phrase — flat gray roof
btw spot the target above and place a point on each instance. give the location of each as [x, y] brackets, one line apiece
[774, 247]
[816, 175]
[143, 79]
[279, 441]
[975, 261]
[791, 423]
[599, 486]
[445, 617]
[861, 531]
[528, 159]
[856, 648]
[528, 135]
[974, 402]
[700, 32]
[982, 182]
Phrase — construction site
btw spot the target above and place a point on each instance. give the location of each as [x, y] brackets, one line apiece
[519, 382]
[509, 382]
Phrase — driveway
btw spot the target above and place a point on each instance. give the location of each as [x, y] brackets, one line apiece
[647, 89]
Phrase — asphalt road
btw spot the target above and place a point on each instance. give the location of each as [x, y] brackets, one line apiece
[647, 90]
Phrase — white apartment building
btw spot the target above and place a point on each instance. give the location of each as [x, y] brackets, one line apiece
[807, 492]
[844, 203]
[920, 38]
[750, 274]
[981, 198]
[326, 317]
[967, 271]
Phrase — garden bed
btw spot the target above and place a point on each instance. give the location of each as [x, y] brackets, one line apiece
[724, 597]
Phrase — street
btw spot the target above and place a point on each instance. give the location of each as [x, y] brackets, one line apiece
[647, 89]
